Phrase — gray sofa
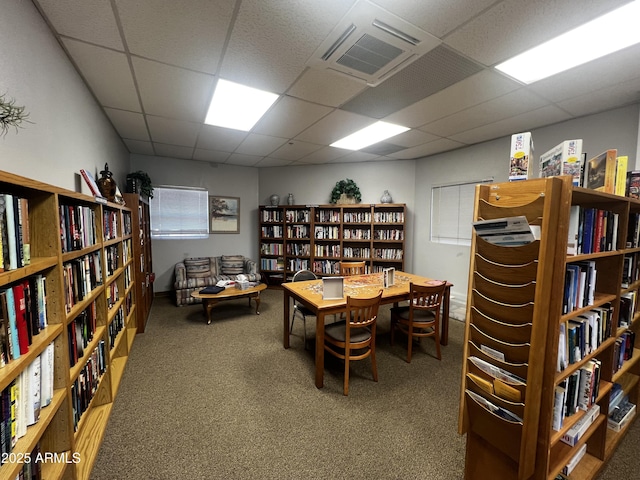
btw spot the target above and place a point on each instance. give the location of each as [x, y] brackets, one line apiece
[193, 274]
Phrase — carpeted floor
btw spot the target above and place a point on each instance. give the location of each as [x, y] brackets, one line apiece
[227, 401]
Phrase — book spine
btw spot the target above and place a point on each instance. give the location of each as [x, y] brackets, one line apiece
[621, 175]
[11, 232]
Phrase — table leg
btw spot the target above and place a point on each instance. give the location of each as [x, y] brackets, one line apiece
[444, 337]
[285, 326]
[257, 299]
[208, 305]
[319, 350]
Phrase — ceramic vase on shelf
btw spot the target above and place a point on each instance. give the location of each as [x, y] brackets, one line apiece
[275, 200]
[290, 199]
[386, 197]
[106, 184]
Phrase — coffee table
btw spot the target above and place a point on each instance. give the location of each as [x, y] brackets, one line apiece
[210, 300]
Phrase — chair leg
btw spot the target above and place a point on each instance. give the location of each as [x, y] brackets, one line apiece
[304, 331]
[436, 337]
[392, 328]
[409, 344]
[345, 388]
[374, 365]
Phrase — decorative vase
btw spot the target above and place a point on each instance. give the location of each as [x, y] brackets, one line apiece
[106, 184]
[346, 199]
[386, 197]
[275, 200]
[290, 199]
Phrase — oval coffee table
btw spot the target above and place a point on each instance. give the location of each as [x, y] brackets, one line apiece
[209, 300]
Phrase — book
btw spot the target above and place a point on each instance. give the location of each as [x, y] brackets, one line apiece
[91, 182]
[600, 172]
[21, 318]
[573, 435]
[633, 184]
[521, 154]
[563, 159]
[32, 393]
[46, 374]
[620, 186]
[13, 327]
[621, 415]
[569, 467]
[11, 232]
[26, 233]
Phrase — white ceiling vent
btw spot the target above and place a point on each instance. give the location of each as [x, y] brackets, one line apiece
[371, 44]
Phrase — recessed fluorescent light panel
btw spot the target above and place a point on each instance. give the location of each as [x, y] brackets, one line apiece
[237, 106]
[604, 35]
[375, 133]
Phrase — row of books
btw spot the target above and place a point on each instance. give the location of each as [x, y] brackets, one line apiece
[582, 335]
[15, 248]
[298, 216]
[327, 232]
[113, 295]
[23, 314]
[356, 234]
[633, 232]
[85, 386]
[80, 332]
[578, 391]
[300, 249]
[388, 234]
[110, 224]
[630, 269]
[592, 230]
[111, 259]
[298, 231]
[77, 227]
[579, 285]
[356, 252]
[272, 231]
[116, 326]
[623, 349]
[80, 277]
[627, 308]
[272, 248]
[388, 253]
[22, 400]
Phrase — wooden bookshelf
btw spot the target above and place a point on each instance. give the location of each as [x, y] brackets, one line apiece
[531, 448]
[109, 303]
[319, 237]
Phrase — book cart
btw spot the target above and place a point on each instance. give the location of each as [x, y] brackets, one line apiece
[516, 305]
[319, 237]
[91, 333]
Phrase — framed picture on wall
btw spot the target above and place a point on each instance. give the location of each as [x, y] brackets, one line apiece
[224, 214]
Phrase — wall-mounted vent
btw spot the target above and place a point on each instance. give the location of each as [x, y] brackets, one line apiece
[371, 44]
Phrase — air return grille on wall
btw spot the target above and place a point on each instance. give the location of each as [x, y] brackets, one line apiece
[371, 44]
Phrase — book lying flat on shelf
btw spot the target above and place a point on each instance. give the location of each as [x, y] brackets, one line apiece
[574, 434]
[508, 231]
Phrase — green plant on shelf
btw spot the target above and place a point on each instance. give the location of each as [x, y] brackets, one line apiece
[347, 187]
[142, 183]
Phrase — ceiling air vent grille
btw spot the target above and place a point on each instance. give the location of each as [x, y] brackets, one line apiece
[371, 44]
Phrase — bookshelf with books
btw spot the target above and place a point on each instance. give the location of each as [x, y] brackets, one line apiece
[561, 340]
[58, 358]
[319, 237]
[142, 266]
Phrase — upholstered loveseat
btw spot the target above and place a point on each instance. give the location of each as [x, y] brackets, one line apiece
[193, 274]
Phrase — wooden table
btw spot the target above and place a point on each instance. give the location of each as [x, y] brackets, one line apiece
[309, 293]
[209, 300]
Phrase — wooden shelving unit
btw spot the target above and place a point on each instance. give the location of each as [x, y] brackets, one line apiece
[74, 436]
[515, 305]
[318, 237]
[142, 258]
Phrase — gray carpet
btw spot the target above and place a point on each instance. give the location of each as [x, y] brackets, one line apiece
[227, 401]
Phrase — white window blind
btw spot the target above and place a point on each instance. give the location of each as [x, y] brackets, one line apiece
[452, 212]
[179, 213]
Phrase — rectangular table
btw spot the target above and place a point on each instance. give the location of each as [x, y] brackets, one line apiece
[309, 293]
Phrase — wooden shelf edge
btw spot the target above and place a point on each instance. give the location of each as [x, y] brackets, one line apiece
[90, 437]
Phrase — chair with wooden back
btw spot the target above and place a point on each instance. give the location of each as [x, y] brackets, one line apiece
[298, 308]
[421, 318]
[355, 337]
[352, 268]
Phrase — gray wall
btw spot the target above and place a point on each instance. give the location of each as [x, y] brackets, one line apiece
[69, 131]
[225, 180]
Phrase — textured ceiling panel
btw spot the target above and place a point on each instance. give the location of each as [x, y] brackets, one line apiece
[173, 132]
[174, 151]
[210, 155]
[290, 116]
[138, 146]
[604, 99]
[128, 124]
[382, 148]
[221, 139]
[261, 145]
[325, 87]
[434, 71]
[333, 127]
[295, 150]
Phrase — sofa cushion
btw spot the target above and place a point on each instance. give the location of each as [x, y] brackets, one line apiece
[197, 267]
[232, 264]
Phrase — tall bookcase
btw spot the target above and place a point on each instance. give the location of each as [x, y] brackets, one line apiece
[142, 259]
[516, 306]
[74, 240]
[319, 237]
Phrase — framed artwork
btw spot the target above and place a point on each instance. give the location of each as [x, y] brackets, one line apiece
[224, 214]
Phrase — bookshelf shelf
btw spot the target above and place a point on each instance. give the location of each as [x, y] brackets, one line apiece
[59, 220]
[593, 284]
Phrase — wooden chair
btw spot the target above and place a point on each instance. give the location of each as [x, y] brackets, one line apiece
[355, 337]
[421, 318]
[298, 308]
[352, 268]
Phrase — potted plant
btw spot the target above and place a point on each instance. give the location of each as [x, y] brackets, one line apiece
[140, 182]
[346, 191]
[11, 115]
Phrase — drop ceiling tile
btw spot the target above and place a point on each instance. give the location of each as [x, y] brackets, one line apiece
[604, 99]
[190, 36]
[295, 150]
[260, 145]
[107, 73]
[511, 27]
[138, 146]
[506, 106]
[264, 33]
[334, 126]
[289, 116]
[173, 132]
[173, 92]
[128, 124]
[354, 157]
[324, 155]
[431, 148]
[478, 88]
[210, 155]
[437, 17]
[273, 162]
[219, 138]
[326, 87]
[173, 151]
[412, 138]
[243, 160]
[89, 20]
[526, 121]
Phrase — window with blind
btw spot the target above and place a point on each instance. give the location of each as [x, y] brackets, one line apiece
[452, 212]
[179, 213]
